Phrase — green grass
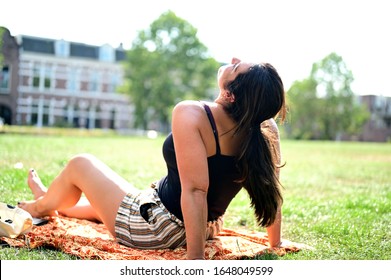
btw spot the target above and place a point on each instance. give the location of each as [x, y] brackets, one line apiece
[337, 194]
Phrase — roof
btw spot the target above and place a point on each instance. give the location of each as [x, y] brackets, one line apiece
[81, 50]
[38, 45]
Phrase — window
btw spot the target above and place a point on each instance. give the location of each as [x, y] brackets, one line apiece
[36, 75]
[94, 81]
[48, 77]
[114, 82]
[106, 53]
[62, 48]
[73, 79]
[5, 78]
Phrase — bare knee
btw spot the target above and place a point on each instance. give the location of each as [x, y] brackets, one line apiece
[82, 159]
[81, 163]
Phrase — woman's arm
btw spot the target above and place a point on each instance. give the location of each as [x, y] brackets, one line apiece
[274, 231]
[193, 172]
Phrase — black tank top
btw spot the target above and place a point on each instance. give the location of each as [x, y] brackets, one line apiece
[222, 175]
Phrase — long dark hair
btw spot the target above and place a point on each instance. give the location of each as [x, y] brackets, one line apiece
[259, 95]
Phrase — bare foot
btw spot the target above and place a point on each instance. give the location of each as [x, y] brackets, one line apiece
[35, 208]
[35, 184]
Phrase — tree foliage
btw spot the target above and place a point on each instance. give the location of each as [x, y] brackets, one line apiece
[1, 44]
[167, 63]
[323, 106]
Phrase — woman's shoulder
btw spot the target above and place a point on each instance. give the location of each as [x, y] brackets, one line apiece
[188, 107]
[189, 114]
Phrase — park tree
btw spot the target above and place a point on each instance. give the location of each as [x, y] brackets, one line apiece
[2, 29]
[300, 95]
[323, 106]
[167, 63]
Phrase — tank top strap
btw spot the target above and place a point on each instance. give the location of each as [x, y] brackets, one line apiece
[214, 128]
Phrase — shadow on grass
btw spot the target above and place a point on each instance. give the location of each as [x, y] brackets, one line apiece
[263, 257]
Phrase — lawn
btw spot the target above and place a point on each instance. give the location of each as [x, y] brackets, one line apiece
[337, 195]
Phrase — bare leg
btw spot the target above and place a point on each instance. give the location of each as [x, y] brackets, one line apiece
[82, 209]
[34, 182]
[86, 174]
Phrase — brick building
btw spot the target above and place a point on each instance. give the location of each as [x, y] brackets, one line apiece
[47, 82]
[378, 127]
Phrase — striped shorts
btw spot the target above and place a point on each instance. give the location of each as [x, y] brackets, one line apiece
[143, 222]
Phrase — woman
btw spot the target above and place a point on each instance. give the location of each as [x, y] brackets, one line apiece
[214, 150]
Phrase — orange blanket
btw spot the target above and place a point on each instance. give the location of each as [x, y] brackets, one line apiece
[88, 240]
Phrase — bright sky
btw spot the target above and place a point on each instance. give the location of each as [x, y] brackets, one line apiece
[290, 34]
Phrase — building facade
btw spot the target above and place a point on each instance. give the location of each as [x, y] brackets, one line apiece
[46, 82]
[378, 127]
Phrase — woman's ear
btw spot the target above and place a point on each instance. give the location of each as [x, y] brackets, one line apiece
[230, 97]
